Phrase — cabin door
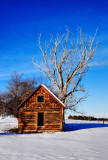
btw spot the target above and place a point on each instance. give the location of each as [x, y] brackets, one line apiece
[40, 119]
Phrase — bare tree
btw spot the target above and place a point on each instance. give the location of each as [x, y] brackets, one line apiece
[1, 104]
[18, 90]
[66, 61]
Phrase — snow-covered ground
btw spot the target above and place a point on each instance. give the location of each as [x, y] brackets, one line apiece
[7, 123]
[87, 141]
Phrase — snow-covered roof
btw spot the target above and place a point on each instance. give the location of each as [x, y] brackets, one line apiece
[52, 94]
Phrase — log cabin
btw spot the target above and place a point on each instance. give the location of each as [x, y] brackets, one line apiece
[42, 111]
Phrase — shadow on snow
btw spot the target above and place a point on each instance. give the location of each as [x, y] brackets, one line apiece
[73, 127]
[6, 133]
[77, 126]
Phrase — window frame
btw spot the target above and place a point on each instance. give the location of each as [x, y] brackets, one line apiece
[40, 95]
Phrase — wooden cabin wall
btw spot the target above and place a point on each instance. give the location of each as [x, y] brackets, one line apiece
[28, 114]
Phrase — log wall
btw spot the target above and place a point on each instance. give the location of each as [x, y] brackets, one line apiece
[28, 113]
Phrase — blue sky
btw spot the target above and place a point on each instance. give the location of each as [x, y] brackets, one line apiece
[21, 21]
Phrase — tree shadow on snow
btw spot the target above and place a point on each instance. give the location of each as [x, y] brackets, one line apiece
[6, 133]
[77, 126]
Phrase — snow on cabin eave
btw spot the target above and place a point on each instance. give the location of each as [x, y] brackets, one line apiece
[53, 95]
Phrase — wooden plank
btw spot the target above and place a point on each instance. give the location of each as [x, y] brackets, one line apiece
[27, 131]
[52, 127]
[27, 119]
[27, 124]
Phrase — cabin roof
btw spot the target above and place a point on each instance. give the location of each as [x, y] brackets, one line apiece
[41, 85]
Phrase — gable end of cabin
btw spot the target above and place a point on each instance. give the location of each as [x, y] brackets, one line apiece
[40, 112]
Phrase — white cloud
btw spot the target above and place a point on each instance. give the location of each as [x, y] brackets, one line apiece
[98, 63]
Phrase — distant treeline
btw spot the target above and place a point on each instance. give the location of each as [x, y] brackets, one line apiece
[89, 118]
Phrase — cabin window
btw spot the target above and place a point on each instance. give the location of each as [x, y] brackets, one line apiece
[40, 98]
[40, 119]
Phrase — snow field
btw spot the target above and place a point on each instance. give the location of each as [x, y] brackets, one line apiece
[85, 144]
